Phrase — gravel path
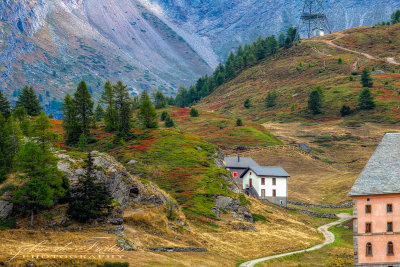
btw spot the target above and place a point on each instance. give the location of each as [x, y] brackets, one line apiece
[329, 239]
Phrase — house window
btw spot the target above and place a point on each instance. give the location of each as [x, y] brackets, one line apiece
[390, 227]
[368, 227]
[368, 209]
[389, 208]
[273, 181]
[262, 181]
[250, 173]
[235, 174]
[368, 249]
[274, 193]
[390, 249]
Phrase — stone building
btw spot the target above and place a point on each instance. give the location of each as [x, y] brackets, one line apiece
[376, 197]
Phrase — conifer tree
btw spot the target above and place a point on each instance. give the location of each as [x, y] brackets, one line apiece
[21, 116]
[239, 122]
[270, 100]
[366, 100]
[29, 100]
[83, 105]
[247, 103]
[281, 40]
[169, 122]
[70, 123]
[40, 129]
[111, 115]
[5, 107]
[99, 113]
[315, 102]
[44, 182]
[159, 100]
[147, 113]
[396, 17]
[261, 50]
[194, 112]
[123, 107]
[366, 79]
[90, 198]
[164, 115]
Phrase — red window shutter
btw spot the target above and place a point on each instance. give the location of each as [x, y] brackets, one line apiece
[235, 174]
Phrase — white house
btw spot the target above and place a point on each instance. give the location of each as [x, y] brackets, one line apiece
[267, 183]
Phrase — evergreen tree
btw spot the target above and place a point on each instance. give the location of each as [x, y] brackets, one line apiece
[261, 50]
[147, 113]
[366, 100]
[83, 143]
[169, 122]
[281, 40]
[239, 122]
[194, 112]
[84, 108]
[99, 113]
[123, 107]
[164, 115]
[111, 115]
[159, 100]
[220, 78]
[315, 102]
[247, 103]
[270, 100]
[21, 116]
[12, 139]
[90, 198]
[70, 121]
[5, 107]
[41, 130]
[44, 182]
[366, 79]
[345, 110]
[29, 100]
[396, 17]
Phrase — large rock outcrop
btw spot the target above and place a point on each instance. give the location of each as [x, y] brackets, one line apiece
[123, 186]
[6, 206]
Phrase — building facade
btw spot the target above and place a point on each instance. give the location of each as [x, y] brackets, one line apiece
[376, 197]
[266, 183]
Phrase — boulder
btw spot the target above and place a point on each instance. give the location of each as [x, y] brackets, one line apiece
[132, 162]
[240, 213]
[6, 207]
[305, 147]
[126, 245]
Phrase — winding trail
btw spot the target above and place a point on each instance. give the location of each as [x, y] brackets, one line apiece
[329, 239]
[340, 35]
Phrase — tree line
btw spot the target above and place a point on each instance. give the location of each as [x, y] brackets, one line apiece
[395, 18]
[243, 58]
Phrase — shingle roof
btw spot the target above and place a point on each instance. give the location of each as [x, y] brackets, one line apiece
[233, 162]
[270, 171]
[381, 175]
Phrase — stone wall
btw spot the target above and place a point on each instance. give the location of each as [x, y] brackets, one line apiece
[316, 214]
[347, 204]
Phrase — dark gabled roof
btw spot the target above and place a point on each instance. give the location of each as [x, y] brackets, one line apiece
[381, 175]
[241, 162]
[268, 171]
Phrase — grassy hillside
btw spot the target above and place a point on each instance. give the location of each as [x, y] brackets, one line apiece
[295, 72]
[222, 130]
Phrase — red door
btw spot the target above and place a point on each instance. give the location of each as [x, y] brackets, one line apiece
[251, 182]
[263, 193]
[274, 193]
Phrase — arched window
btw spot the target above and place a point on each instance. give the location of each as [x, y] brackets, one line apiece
[390, 248]
[368, 249]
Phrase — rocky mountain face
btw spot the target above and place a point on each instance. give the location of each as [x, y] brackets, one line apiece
[148, 44]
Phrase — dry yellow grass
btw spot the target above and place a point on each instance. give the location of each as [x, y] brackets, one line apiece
[284, 231]
[329, 178]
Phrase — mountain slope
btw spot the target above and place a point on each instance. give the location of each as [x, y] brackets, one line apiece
[153, 45]
[294, 73]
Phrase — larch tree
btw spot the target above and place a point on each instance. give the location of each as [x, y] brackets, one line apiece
[124, 111]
